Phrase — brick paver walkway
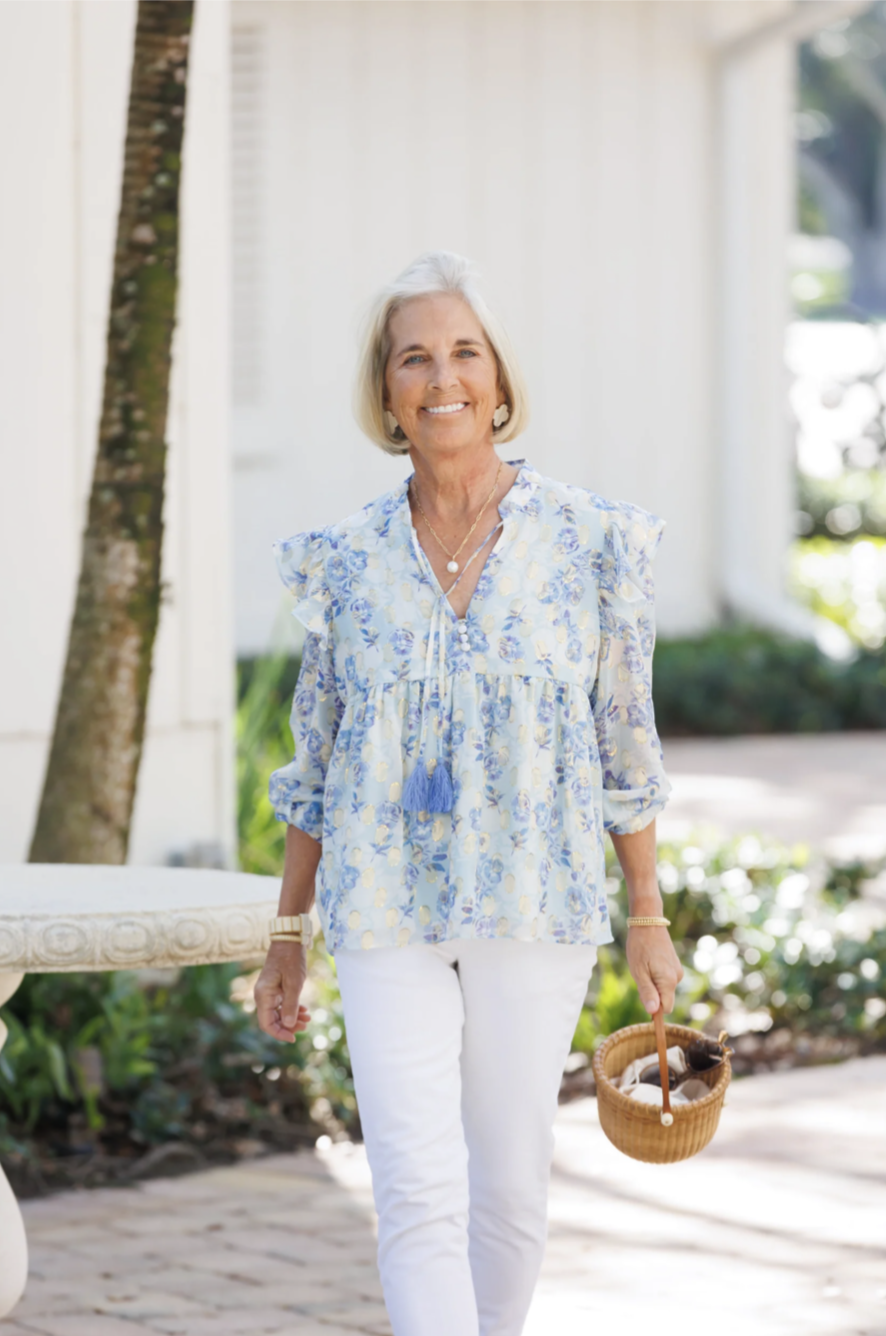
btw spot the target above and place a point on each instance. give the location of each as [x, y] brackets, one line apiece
[777, 1229]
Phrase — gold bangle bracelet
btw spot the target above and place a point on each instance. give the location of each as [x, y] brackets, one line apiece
[290, 923]
[288, 937]
[647, 921]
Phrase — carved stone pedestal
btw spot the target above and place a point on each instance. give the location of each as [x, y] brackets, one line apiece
[58, 918]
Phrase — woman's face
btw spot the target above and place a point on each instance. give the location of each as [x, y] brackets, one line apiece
[441, 381]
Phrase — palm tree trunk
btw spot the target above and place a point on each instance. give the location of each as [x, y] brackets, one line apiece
[89, 788]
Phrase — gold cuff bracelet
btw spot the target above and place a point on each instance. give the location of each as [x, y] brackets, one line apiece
[292, 928]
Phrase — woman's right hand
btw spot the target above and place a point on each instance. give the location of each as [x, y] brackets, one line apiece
[278, 989]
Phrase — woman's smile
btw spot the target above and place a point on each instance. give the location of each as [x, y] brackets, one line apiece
[444, 408]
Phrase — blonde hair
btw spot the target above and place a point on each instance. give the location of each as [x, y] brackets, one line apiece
[435, 271]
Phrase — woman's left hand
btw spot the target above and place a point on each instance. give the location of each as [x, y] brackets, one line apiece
[655, 967]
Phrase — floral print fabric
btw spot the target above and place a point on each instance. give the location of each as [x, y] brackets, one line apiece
[539, 701]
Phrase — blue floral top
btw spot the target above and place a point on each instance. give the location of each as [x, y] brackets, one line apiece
[537, 705]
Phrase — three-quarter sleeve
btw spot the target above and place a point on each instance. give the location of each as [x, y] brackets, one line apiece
[296, 790]
[635, 787]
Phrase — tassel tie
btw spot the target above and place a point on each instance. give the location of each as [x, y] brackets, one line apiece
[429, 787]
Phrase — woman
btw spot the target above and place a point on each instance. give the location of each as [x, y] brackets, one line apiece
[473, 711]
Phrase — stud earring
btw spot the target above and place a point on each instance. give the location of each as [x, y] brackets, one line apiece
[391, 423]
[500, 416]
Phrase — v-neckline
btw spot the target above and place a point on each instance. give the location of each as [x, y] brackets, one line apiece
[504, 506]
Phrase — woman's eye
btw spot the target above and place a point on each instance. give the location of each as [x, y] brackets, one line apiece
[469, 352]
[416, 357]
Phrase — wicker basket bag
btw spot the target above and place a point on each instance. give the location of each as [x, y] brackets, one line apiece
[644, 1131]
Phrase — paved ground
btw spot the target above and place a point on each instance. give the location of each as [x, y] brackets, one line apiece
[778, 1228]
[826, 789]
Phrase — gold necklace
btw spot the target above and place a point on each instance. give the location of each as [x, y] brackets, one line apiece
[452, 564]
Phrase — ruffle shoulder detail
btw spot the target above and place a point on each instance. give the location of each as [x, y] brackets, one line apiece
[631, 537]
[301, 564]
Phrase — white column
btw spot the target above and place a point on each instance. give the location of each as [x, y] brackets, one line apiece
[756, 194]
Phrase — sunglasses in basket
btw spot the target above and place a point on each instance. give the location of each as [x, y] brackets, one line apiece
[702, 1054]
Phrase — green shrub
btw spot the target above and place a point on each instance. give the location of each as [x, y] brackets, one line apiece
[767, 936]
[121, 1061]
[264, 742]
[743, 680]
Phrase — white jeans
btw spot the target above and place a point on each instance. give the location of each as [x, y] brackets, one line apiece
[457, 1051]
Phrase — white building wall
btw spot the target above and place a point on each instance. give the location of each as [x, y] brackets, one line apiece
[569, 150]
[37, 392]
[756, 213]
[64, 81]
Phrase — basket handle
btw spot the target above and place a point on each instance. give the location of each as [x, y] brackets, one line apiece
[661, 1044]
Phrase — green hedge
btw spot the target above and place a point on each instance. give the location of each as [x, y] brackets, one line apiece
[104, 1067]
[743, 680]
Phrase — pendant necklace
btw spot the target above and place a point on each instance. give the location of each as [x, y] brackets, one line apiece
[452, 564]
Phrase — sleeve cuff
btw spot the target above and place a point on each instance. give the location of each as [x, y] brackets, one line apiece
[627, 811]
[304, 816]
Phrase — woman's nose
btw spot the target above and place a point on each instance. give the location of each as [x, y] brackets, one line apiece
[442, 375]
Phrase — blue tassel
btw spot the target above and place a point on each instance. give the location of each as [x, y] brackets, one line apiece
[440, 791]
[415, 795]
